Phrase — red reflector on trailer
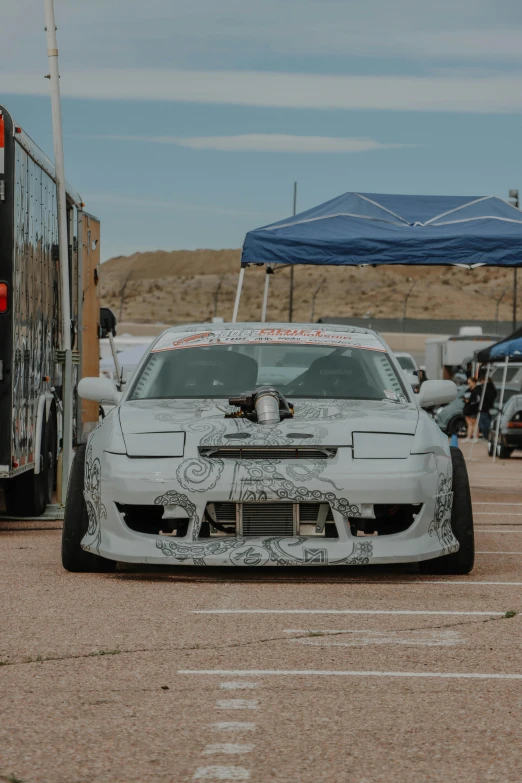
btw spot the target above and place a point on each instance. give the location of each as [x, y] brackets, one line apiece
[3, 297]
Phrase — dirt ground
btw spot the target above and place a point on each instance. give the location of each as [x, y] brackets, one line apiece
[193, 286]
[168, 675]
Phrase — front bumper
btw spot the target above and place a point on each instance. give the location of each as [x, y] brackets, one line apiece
[343, 482]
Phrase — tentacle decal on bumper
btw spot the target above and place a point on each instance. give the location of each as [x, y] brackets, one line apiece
[272, 549]
[96, 511]
[441, 525]
[173, 498]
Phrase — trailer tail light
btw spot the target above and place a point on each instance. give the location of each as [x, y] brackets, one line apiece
[3, 297]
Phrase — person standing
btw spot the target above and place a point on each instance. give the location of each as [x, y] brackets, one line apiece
[490, 395]
[471, 406]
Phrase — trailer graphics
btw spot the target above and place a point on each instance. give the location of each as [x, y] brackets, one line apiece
[30, 318]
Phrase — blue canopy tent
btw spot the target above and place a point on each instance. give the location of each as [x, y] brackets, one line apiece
[484, 356]
[359, 229]
[509, 349]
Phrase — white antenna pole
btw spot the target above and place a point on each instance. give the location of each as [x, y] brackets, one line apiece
[63, 244]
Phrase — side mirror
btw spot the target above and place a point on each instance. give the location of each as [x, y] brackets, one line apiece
[436, 393]
[101, 390]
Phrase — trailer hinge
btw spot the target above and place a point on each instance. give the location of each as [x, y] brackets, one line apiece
[2, 190]
[60, 357]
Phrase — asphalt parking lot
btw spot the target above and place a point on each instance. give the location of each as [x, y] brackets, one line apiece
[294, 676]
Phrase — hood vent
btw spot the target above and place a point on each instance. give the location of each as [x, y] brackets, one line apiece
[268, 452]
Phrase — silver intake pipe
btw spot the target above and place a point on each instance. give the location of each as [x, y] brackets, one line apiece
[267, 407]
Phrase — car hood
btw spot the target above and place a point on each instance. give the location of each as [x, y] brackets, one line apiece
[315, 421]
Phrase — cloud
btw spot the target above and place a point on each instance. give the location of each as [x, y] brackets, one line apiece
[231, 33]
[262, 142]
[498, 93]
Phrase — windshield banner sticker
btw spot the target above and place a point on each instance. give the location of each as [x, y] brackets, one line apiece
[172, 341]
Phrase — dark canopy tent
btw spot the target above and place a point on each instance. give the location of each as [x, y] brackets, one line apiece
[358, 229]
[498, 350]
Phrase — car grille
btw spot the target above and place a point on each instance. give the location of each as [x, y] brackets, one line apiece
[264, 518]
[276, 452]
[309, 512]
[267, 519]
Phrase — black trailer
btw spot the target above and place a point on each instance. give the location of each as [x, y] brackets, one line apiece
[30, 318]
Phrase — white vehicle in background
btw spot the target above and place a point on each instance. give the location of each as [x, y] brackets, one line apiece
[256, 444]
[411, 370]
[407, 362]
[445, 355]
[124, 342]
[128, 361]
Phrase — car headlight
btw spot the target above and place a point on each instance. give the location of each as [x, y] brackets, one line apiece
[155, 444]
[378, 445]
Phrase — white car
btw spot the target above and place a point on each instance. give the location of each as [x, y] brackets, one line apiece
[255, 444]
[407, 362]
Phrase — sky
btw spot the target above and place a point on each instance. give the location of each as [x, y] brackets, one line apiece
[186, 123]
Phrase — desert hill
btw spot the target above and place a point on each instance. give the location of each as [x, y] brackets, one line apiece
[193, 285]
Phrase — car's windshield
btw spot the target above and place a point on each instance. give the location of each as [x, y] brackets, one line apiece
[295, 370]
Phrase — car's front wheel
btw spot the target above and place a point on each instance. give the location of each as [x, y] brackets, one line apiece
[457, 426]
[460, 562]
[76, 522]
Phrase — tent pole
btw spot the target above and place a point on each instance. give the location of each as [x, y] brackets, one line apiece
[268, 272]
[238, 294]
[475, 432]
[499, 416]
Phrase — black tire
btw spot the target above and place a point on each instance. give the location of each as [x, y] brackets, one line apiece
[25, 494]
[457, 426]
[460, 562]
[76, 522]
[503, 452]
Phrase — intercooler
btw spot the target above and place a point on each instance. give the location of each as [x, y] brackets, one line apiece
[263, 518]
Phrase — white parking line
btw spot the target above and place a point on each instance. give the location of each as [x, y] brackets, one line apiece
[229, 748]
[238, 686]
[494, 530]
[232, 725]
[219, 772]
[237, 704]
[350, 611]
[337, 673]
[488, 503]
